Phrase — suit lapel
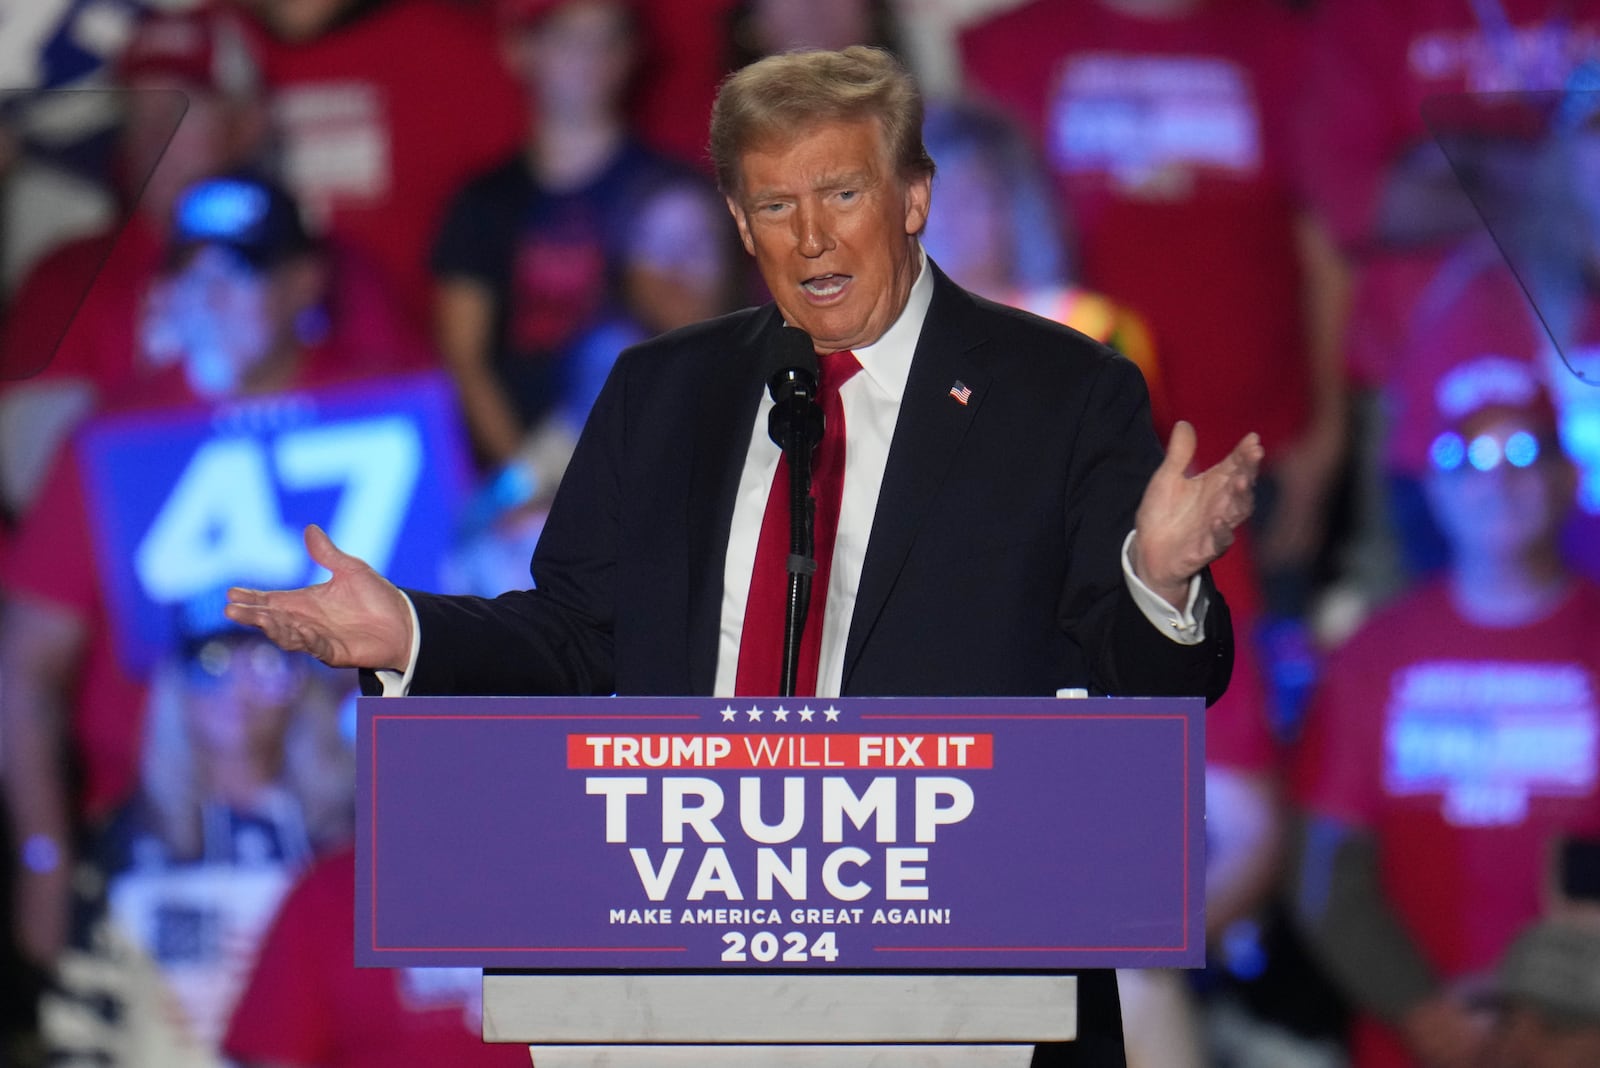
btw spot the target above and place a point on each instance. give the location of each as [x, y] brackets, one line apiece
[927, 435]
[725, 411]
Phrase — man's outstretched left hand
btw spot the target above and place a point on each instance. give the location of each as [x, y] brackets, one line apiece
[1186, 521]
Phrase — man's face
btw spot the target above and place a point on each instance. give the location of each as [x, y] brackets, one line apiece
[832, 228]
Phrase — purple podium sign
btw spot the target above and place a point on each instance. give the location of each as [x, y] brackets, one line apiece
[697, 834]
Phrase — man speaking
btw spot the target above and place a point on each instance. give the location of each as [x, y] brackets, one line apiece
[993, 513]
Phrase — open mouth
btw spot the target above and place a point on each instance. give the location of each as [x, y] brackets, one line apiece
[825, 286]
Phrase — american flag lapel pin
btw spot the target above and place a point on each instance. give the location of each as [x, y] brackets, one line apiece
[961, 391]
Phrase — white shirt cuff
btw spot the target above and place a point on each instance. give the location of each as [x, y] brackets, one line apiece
[1186, 627]
[398, 684]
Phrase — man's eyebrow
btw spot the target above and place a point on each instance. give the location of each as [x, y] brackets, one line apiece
[827, 183]
[848, 180]
[760, 195]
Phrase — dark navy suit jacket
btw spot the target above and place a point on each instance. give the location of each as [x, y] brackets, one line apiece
[993, 566]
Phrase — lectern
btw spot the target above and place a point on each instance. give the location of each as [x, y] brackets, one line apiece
[848, 882]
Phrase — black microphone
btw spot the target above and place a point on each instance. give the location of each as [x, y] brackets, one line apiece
[791, 374]
[795, 424]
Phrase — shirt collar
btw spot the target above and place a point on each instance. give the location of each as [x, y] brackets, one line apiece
[887, 361]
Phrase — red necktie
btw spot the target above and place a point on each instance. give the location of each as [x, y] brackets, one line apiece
[761, 643]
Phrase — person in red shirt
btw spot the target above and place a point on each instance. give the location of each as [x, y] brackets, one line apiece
[1455, 737]
[66, 345]
[308, 1006]
[244, 285]
[1374, 173]
[1382, 79]
[382, 109]
[1167, 127]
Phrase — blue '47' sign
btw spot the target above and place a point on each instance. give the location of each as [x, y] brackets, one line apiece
[186, 502]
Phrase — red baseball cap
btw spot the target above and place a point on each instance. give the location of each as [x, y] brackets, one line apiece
[1475, 350]
[1472, 394]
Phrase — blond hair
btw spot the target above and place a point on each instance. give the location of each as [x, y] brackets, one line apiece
[778, 97]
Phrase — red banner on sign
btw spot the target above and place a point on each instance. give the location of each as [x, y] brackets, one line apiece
[621, 752]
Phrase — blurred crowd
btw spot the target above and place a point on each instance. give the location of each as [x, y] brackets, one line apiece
[366, 263]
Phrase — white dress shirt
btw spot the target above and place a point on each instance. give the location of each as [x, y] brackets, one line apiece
[871, 401]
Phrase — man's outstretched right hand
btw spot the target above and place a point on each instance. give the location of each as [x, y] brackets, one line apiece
[356, 619]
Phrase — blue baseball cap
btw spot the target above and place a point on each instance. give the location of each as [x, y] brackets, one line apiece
[253, 217]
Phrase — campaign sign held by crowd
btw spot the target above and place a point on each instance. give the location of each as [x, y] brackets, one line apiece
[188, 501]
[702, 834]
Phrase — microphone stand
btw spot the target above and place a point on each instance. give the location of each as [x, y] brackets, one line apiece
[795, 423]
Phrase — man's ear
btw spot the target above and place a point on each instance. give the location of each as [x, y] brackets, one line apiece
[742, 221]
[919, 196]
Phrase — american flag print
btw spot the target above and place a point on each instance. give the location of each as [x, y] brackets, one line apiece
[961, 391]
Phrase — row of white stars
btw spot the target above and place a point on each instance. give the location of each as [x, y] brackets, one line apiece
[780, 714]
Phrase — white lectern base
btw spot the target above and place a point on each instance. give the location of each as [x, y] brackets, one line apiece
[828, 1021]
[782, 1056]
